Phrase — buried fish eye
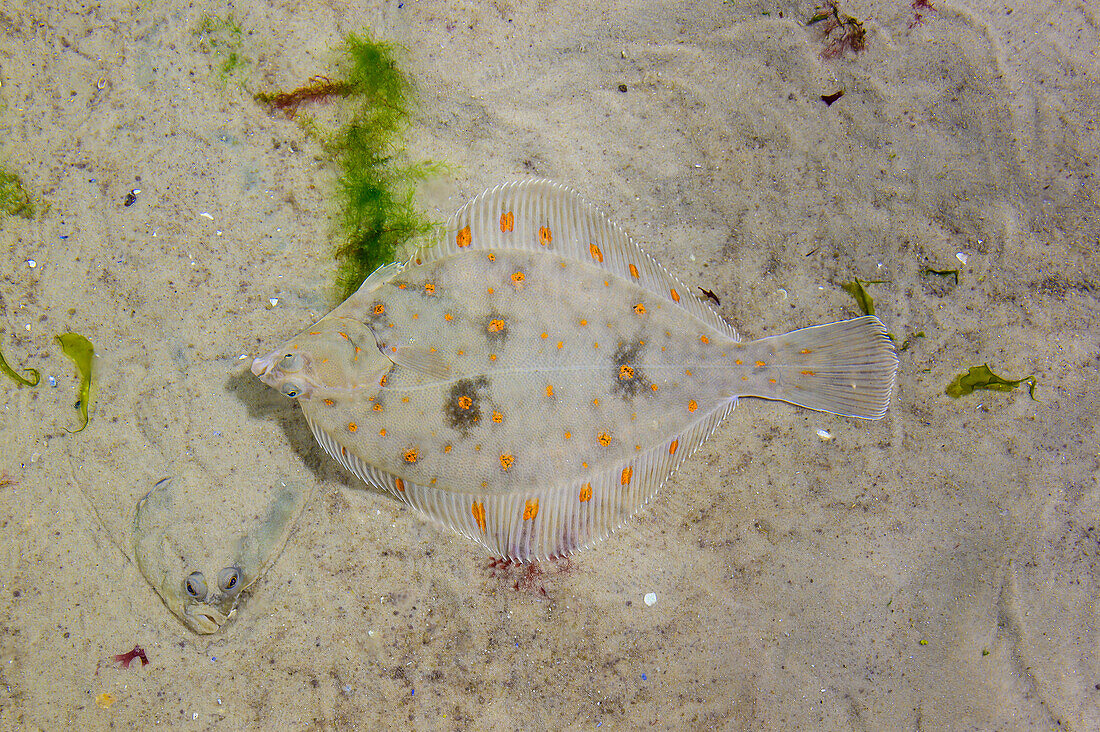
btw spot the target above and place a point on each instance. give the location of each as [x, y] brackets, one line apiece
[290, 389]
[229, 580]
[195, 584]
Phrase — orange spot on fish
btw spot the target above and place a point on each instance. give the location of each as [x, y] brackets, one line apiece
[549, 390]
[771, 381]
[329, 402]
[639, 309]
[447, 448]
[737, 361]
[653, 387]
[604, 439]
[595, 252]
[626, 372]
[517, 279]
[672, 448]
[404, 400]
[804, 351]
[492, 257]
[628, 473]
[507, 222]
[492, 357]
[382, 432]
[465, 402]
[399, 484]
[586, 492]
[463, 237]
[377, 407]
[497, 417]
[760, 363]
[448, 317]
[352, 427]
[568, 435]
[584, 322]
[633, 271]
[692, 406]
[479, 515]
[675, 295]
[808, 373]
[596, 402]
[412, 455]
[496, 325]
[544, 335]
[429, 288]
[545, 237]
[531, 509]
[506, 461]
[491, 290]
[560, 344]
[704, 339]
[379, 308]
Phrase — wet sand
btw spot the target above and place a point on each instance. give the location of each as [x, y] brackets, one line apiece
[934, 570]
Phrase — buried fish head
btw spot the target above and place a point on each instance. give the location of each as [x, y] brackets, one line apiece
[201, 556]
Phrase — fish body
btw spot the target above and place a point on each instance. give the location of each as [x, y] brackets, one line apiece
[533, 379]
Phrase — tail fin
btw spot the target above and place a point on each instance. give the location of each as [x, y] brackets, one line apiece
[845, 368]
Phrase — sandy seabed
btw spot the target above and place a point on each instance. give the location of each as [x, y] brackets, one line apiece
[935, 570]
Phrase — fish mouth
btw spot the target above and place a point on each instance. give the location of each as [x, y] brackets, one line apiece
[204, 619]
[262, 365]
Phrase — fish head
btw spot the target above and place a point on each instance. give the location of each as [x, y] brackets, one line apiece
[202, 556]
[334, 356]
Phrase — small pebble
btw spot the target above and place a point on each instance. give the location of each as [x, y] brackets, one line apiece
[824, 435]
[31, 263]
[650, 599]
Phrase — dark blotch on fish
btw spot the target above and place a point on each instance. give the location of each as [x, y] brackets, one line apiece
[463, 405]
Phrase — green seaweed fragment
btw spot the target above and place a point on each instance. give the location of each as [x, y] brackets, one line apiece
[980, 377]
[376, 182]
[223, 37]
[33, 381]
[80, 350]
[15, 200]
[855, 289]
[909, 340]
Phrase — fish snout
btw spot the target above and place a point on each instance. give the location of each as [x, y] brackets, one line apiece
[204, 619]
[262, 365]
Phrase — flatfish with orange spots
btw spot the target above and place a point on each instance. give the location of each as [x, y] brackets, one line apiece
[534, 378]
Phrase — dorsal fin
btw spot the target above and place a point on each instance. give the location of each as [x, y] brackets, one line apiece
[541, 215]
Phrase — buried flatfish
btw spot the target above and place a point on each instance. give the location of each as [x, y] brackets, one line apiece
[534, 378]
[184, 482]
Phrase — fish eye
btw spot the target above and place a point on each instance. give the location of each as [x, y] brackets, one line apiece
[291, 362]
[290, 389]
[229, 580]
[195, 584]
